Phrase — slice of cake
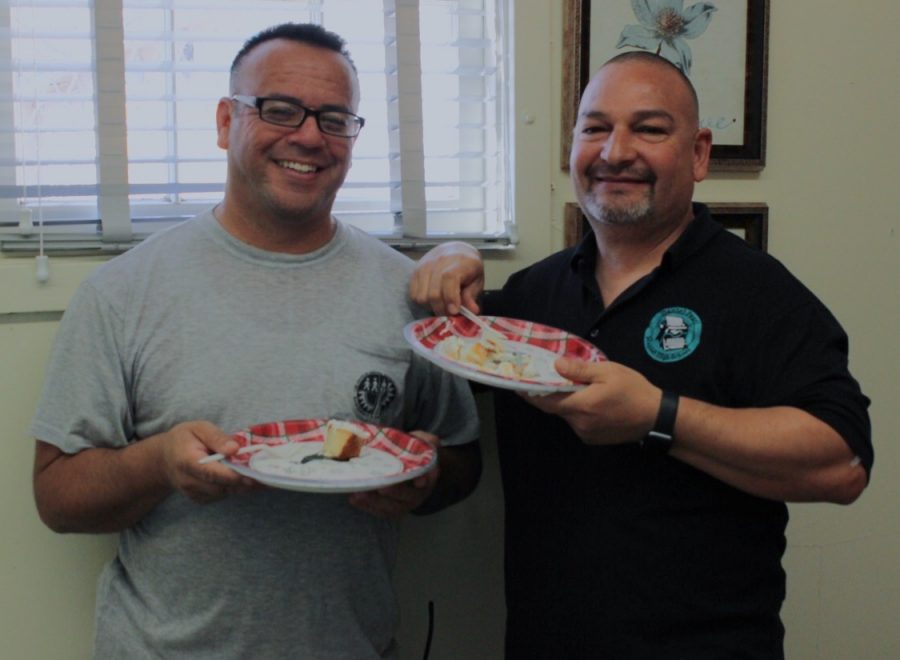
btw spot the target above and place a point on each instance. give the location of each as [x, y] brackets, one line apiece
[477, 354]
[343, 440]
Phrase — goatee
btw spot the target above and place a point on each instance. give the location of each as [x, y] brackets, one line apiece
[636, 213]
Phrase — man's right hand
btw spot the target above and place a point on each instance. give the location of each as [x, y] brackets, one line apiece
[185, 445]
[105, 489]
[447, 277]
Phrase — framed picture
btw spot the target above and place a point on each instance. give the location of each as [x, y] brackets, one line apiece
[725, 57]
[749, 221]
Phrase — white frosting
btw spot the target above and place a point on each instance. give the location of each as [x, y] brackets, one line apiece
[286, 461]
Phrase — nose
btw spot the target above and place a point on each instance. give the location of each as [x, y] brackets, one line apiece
[618, 147]
[307, 133]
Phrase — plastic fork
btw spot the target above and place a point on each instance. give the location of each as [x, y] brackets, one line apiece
[248, 449]
[488, 330]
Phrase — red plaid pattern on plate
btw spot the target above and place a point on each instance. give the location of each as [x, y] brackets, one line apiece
[408, 449]
[425, 335]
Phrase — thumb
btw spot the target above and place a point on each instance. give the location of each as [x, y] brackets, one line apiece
[430, 438]
[228, 446]
[577, 370]
[216, 440]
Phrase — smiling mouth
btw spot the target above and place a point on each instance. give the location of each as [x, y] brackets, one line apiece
[624, 176]
[616, 180]
[303, 168]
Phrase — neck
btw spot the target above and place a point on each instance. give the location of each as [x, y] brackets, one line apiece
[625, 254]
[293, 235]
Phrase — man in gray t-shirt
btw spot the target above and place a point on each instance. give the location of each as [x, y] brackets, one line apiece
[265, 308]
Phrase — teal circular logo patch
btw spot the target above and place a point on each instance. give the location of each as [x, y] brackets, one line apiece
[673, 334]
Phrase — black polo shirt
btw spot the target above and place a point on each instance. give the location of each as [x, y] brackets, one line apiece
[613, 553]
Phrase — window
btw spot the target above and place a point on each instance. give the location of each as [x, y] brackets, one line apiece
[107, 109]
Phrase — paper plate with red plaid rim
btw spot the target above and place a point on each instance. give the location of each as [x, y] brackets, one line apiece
[272, 454]
[538, 345]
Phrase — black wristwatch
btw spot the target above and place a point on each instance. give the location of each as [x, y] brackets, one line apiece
[661, 438]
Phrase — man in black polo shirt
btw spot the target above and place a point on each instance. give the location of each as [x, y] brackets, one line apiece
[645, 513]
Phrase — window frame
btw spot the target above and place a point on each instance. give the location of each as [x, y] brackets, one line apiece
[117, 229]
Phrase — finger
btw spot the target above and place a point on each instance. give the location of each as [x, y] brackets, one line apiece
[427, 481]
[211, 456]
[415, 288]
[377, 505]
[449, 286]
[221, 443]
[405, 494]
[214, 472]
[429, 290]
[430, 438]
[548, 403]
[209, 493]
[468, 287]
[245, 485]
[578, 370]
[419, 284]
[470, 295]
[220, 475]
[230, 482]
[392, 501]
[202, 489]
[214, 439]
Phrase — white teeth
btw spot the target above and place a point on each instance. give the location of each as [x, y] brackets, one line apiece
[298, 167]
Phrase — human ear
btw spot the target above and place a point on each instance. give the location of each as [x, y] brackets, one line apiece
[223, 121]
[702, 150]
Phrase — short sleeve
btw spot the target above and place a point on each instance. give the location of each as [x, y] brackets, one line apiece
[84, 400]
[440, 403]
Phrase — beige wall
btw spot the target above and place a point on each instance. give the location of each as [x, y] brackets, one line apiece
[833, 200]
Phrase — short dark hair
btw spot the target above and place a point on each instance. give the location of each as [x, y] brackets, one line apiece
[304, 33]
[653, 58]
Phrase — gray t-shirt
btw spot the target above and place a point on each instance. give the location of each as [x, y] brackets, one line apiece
[193, 324]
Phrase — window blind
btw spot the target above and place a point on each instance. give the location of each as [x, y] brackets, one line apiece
[107, 116]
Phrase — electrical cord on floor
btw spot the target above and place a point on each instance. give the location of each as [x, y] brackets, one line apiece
[430, 629]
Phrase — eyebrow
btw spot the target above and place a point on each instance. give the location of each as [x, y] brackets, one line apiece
[640, 115]
[324, 107]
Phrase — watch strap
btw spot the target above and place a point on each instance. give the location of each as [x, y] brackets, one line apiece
[662, 436]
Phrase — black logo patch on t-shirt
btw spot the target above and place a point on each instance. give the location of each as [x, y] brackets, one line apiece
[374, 393]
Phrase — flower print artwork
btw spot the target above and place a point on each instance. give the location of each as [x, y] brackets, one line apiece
[665, 25]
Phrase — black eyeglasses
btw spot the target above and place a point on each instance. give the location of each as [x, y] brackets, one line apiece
[292, 115]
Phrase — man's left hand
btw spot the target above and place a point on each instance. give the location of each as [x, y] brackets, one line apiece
[393, 502]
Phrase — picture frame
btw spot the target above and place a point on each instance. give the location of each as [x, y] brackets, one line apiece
[730, 66]
[750, 221]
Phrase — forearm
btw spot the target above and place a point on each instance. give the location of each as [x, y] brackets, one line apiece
[98, 490]
[780, 453]
[460, 471]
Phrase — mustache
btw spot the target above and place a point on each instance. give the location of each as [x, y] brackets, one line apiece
[627, 172]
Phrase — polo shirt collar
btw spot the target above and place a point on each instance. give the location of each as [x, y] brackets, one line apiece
[697, 234]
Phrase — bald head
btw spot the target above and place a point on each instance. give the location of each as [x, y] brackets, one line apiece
[679, 80]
